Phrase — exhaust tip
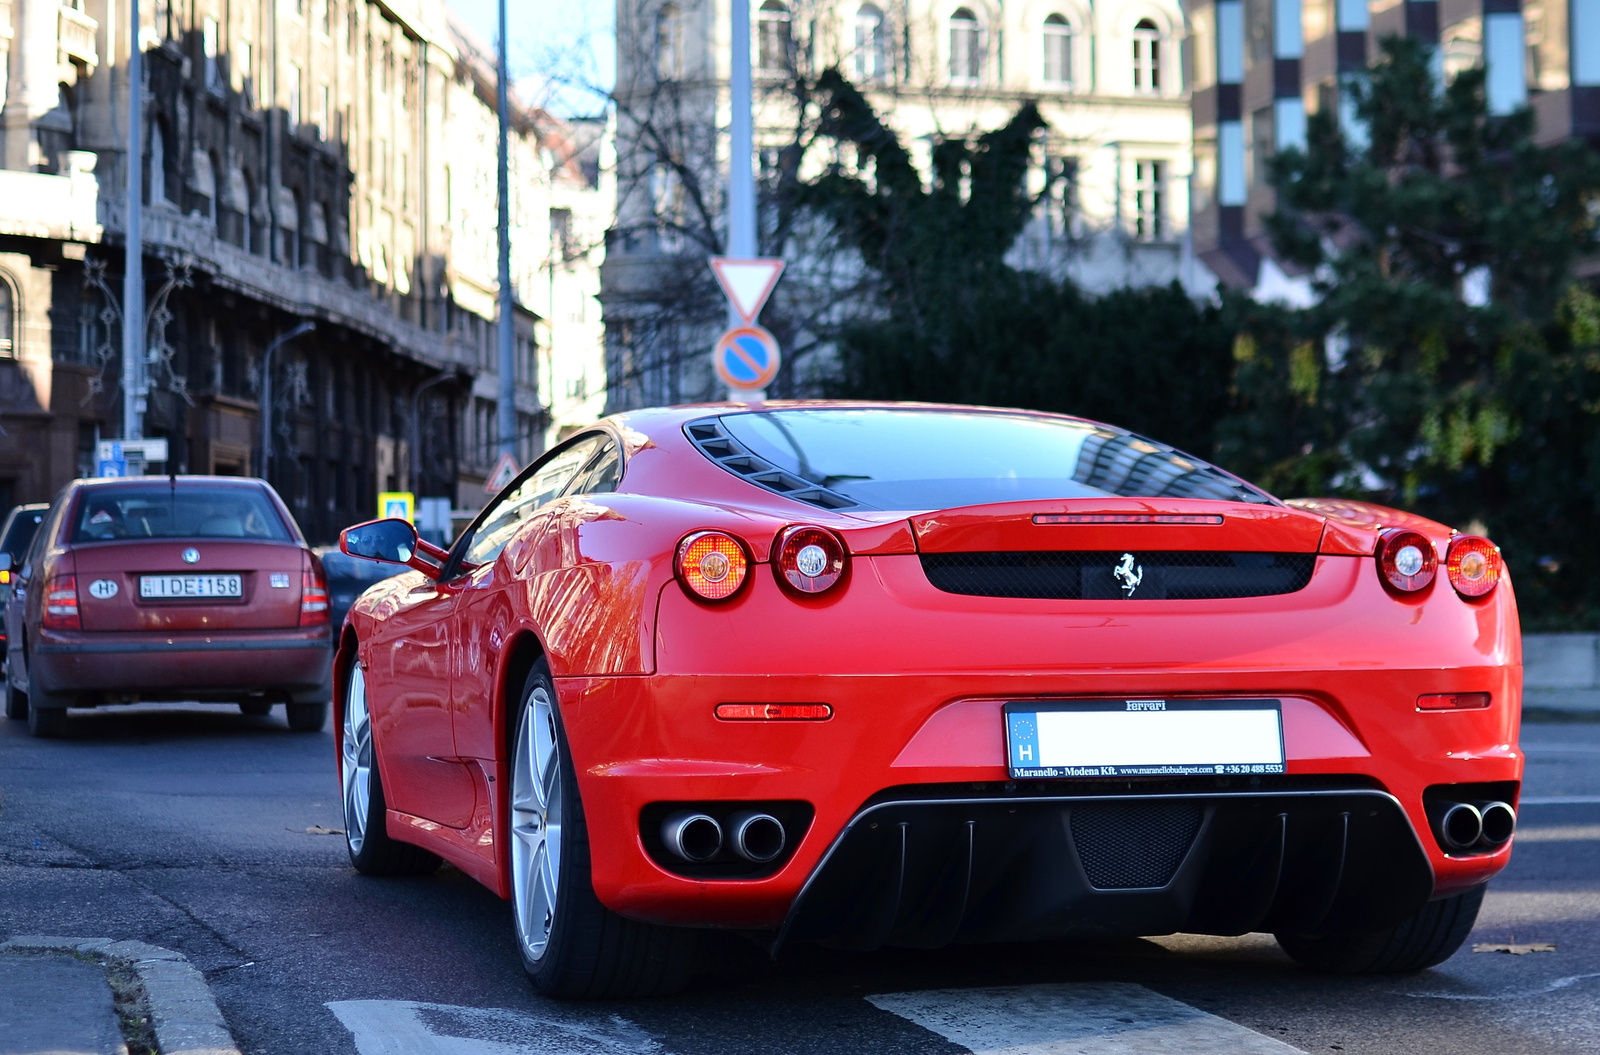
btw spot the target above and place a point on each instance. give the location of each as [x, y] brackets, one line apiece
[757, 837]
[1499, 823]
[1461, 826]
[695, 837]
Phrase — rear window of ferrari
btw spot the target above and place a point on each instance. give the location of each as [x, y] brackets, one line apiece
[107, 513]
[939, 459]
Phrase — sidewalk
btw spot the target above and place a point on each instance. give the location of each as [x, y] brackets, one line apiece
[56, 1003]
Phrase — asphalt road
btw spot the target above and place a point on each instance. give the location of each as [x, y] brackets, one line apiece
[187, 828]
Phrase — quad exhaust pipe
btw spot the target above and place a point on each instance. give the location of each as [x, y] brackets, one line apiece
[1477, 826]
[698, 837]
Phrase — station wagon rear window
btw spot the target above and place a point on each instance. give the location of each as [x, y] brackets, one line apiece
[107, 513]
[939, 459]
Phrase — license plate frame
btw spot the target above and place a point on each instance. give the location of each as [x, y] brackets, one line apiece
[1085, 740]
[223, 586]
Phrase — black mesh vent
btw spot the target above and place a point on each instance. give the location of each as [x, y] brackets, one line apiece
[1170, 576]
[1123, 845]
[715, 443]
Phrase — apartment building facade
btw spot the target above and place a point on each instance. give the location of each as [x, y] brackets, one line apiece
[329, 161]
[1109, 77]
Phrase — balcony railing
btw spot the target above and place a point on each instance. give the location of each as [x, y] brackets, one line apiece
[76, 34]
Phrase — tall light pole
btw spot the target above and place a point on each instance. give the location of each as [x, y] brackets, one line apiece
[508, 360]
[133, 254]
[741, 145]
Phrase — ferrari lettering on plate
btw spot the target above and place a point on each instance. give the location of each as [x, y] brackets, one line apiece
[1144, 738]
[165, 586]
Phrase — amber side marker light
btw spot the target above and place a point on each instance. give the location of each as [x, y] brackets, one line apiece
[1474, 565]
[1407, 560]
[774, 712]
[712, 565]
[1453, 701]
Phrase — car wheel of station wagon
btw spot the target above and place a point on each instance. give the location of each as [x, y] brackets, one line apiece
[307, 717]
[1428, 938]
[371, 850]
[571, 945]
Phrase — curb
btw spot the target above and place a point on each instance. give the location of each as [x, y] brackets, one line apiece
[183, 1012]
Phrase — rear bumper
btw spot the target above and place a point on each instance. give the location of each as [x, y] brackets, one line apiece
[196, 665]
[923, 872]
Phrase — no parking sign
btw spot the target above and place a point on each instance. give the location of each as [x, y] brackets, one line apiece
[746, 357]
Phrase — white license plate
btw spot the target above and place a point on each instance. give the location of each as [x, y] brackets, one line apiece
[1143, 738]
[158, 586]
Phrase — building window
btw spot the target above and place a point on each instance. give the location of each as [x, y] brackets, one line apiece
[1149, 223]
[327, 18]
[244, 57]
[208, 49]
[158, 165]
[1507, 85]
[324, 97]
[1146, 57]
[872, 44]
[966, 47]
[1230, 41]
[669, 42]
[294, 96]
[773, 38]
[8, 320]
[1288, 34]
[1057, 51]
[1353, 16]
[1232, 184]
[1289, 124]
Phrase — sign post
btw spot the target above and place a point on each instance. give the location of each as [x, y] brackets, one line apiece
[746, 357]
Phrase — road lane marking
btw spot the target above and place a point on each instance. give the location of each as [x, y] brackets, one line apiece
[1558, 800]
[1553, 986]
[1088, 1018]
[1560, 833]
[409, 1027]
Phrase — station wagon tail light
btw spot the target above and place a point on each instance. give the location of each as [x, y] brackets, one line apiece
[313, 593]
[808, 559]
[712, 565]
[1407, 560]
[61, 603]
[1473, 565]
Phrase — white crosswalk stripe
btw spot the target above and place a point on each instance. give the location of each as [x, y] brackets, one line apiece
[1092, 1018]
[406, 1027]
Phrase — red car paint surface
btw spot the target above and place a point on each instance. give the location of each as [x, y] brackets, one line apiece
[916, 677]
[121, 645]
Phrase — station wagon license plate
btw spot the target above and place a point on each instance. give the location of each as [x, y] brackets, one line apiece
[165, 586]
[1143, 738]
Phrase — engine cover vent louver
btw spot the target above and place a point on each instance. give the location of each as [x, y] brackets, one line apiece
[714, 442]
[1081, 575]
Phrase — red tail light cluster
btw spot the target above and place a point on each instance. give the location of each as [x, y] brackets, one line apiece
[313, 593]
[808, 559]
[1473, 565]
[712, 565]
[1407, 560]
[61, 603]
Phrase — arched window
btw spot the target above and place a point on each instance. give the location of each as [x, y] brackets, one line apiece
[872, 44]
[8, 320]
[669, 42]
[966, 47]
[1146, 57]
[1057, 51]
[773, 38]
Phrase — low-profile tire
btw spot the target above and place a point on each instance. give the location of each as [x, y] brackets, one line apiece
[366, 836]
[16, 699]
[572, 946]
[257, 708]
[1428, 938]
[306, 717]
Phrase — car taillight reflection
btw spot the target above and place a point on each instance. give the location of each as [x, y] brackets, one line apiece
[61, 603]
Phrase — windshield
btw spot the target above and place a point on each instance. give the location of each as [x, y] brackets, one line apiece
[177, 512]
[939, 459]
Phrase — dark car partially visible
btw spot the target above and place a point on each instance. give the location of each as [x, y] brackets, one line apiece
[16, 535]
[348, 578]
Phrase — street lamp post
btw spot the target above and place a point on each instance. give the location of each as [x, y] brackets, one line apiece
[133, 253]
[266, 388]
[508, 362]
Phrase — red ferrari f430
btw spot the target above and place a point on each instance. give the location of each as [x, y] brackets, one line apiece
[910, 675]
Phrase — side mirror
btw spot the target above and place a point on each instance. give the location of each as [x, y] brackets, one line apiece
[394, 541]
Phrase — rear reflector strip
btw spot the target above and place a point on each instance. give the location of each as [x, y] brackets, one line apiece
[774, 712]
[1453, 701]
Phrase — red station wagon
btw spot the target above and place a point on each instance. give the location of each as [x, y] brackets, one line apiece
[168, 588]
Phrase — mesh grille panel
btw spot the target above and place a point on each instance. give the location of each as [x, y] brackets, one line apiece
[1075, 575]
[1123, 845]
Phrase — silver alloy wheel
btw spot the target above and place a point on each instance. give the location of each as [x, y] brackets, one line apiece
[536, 824]
[356, 772]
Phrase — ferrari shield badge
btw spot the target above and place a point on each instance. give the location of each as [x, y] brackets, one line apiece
[1128, 574]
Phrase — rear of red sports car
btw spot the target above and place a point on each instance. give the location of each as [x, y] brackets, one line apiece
[1103, 689]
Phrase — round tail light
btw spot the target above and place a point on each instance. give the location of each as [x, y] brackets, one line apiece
[809, 559]
[1407, 560]
[1474, 565]
[712, 565]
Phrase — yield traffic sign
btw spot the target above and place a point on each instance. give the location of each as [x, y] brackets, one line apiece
[747, 283]
[746, 357]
